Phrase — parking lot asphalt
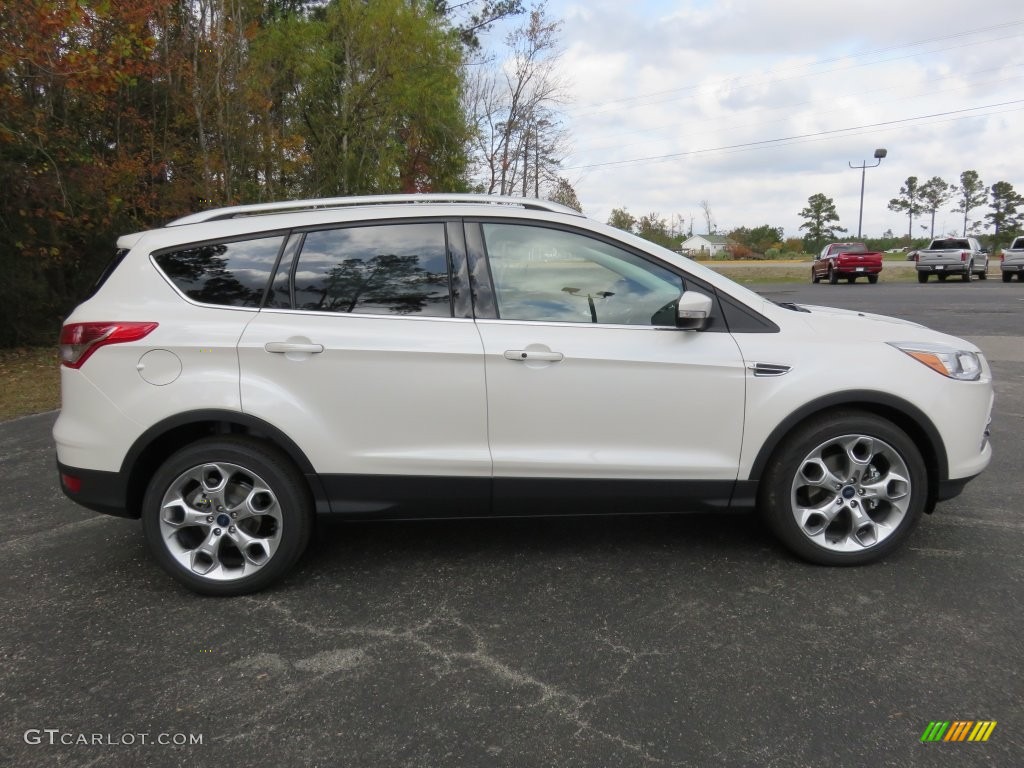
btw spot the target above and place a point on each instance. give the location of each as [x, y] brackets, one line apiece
[659, 641]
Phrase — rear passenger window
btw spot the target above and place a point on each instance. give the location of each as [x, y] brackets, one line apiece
[391, 269]
[231, 274]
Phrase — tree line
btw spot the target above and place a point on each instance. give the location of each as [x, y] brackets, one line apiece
[119, 115]
[1005, 214]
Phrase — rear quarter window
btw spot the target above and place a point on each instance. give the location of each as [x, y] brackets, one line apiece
[233, 274]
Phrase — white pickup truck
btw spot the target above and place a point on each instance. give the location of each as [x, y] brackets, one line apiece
[1012, 260]
[952, 255]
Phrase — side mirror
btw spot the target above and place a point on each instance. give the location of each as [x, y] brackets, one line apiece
[693, 311]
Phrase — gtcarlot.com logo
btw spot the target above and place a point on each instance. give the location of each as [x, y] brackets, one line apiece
[958, 730]
[55, 737]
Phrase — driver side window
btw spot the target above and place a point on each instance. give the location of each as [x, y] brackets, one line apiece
[556, 276]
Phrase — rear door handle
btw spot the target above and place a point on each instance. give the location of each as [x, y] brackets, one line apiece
[284, 347]
[524, 355]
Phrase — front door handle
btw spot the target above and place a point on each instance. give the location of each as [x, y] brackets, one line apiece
[529, 355]
[284, 347]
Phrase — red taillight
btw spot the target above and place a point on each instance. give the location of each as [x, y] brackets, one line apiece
[963, 255]
[71, 484]
[79, 340]
[1002, 256]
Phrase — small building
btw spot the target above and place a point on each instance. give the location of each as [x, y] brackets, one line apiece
[707, 246]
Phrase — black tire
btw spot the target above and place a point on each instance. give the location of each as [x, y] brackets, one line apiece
[833, 278]
[255, 481]
[815, 277]
[966, 276]
[1008, 276]
[782, 485]
[922, 277]
[872, 279]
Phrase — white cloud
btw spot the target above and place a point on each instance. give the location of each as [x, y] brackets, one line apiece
[687, 79]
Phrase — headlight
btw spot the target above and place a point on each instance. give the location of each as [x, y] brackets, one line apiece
[955, 363]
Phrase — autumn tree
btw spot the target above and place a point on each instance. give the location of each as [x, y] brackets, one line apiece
[622, 219]
[970, 194]
[653, 226]
[116, 117]
[934, 194]
[709, 219]
[759, 239]
[565, 194]
[469, 18]
[518, 134]
[909, 202]
[820, 220]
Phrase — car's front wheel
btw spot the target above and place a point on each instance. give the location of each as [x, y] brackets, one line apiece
[227, 516]
[845, 489]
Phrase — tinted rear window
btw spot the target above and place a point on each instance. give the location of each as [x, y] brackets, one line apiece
[390, 269]
[230, 274]
[950, 245]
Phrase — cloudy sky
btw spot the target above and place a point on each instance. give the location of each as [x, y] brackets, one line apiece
[755, 105]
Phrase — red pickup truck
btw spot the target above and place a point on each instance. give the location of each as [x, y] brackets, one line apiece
[849, 260]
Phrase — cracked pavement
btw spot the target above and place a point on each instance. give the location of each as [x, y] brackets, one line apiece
[689, 641]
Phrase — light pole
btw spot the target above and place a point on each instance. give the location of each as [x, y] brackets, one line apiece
[879, 155]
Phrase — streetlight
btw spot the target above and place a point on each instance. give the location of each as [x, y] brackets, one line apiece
[879, 154]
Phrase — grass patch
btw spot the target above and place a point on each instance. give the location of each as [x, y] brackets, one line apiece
[30, 381]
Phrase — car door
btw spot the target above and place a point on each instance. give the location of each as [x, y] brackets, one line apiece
[366, 355]
[592, 392]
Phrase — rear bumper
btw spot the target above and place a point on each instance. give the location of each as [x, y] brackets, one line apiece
[94, 489]
[954, 269]
[858, 270]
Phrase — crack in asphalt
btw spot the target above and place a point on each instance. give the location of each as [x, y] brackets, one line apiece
[564, 704]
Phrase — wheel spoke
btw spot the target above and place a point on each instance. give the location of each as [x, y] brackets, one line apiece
[816, 472]
[255, 549]
[814, 520]
[177, 514]
[206, 557]
[859, 452]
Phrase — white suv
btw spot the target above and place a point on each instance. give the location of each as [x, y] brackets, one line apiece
[241, 369]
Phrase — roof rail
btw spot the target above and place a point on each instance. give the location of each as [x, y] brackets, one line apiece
[295, 206]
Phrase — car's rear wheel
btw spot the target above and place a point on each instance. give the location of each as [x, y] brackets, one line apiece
[227, 516]
[966, 276]
[922, 277]
[833, 277]
[872, 279]
[1008, 276]
[983, 273]
[815, 277]
[845, 489]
